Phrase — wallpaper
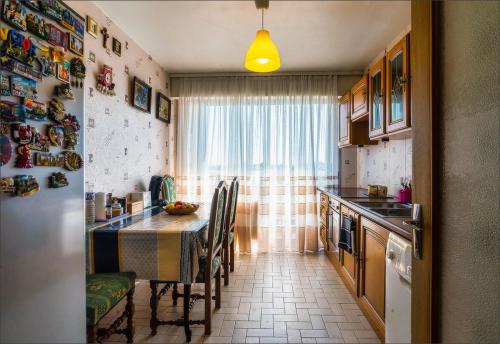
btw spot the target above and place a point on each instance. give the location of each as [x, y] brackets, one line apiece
[385, 164]
[124, 146]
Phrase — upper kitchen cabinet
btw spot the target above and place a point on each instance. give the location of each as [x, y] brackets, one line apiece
[398, 115]
[351, 133]
[359, 100]
[377, 104]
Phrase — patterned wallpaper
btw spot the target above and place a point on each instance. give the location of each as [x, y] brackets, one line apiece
[385, 164]
[124, 146]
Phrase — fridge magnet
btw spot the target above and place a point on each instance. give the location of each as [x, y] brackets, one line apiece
[20, 47]
[141, 98]
[91, 56]
[105, 36]
[56, 135]
[56, 110]
[73, 161]
[7, 185]
[70, 137]
[32, 4]
[64, 91]
[163, 106]
[26, 185]
[105, 83]
[47, 66]
[21, 133]
[63, 71]
[5, 145]
[40, 142]
[23, 70]
[49, 160]
[75, 44]
[23, 159]
[12, 112]
[4, 84]
[14, 13]
[78, 71]
[92, 27]
[52, 9]
[67, 20]
[36, 25]
[22, 87]
[58, 180]
[57, 37]
[117, 47]
[79, 28]
[34, 110]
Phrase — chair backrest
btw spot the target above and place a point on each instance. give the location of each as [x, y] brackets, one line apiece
[216, 223]
[168, 189]
[232, 200]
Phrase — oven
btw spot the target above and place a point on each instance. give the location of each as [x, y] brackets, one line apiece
[334, 226]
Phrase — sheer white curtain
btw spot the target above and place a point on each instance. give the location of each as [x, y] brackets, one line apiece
[277, 134]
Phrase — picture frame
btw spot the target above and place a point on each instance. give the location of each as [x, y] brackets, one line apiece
[75, 44]
[116, 47]
[163, 108]
[56, 36]
[63, 71]
[92, 27]
[141, 95]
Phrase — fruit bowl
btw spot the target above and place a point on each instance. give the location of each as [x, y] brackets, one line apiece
[181, 208]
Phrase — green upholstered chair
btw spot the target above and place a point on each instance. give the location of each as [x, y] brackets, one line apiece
[168, 189]
[229, 221]
[104, 291]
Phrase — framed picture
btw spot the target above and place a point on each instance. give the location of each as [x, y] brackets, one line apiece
[163, 107]
[141, 97]
[63, 71]
[75, 44]
[117, 47]
[92, 27]
[57, 37]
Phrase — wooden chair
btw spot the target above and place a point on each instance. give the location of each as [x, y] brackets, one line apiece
[103, 292]
[229, 221]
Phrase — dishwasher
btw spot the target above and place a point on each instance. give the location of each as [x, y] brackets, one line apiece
[398, 290]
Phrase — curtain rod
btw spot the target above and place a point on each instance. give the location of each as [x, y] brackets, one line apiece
[198, 75]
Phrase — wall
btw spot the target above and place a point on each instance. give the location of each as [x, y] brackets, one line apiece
[125, 146]
[469, 243]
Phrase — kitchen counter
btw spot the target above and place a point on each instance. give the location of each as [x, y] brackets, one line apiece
[348, 196]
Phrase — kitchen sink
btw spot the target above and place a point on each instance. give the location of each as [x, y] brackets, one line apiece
[397, 212]
[384, 205]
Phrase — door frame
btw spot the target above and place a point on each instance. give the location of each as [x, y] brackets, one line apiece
[423, 63]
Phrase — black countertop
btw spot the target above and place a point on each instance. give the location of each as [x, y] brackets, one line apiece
[348, 196]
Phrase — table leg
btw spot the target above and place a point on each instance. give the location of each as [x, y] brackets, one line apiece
[153, 303]
[187, 301]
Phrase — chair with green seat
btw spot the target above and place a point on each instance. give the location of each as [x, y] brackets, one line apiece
[229, 221]
[168, 189]
[103, 292]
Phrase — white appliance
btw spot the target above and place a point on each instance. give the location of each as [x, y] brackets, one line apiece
[398, 290]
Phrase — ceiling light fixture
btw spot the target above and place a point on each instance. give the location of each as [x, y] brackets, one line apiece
[262, 55]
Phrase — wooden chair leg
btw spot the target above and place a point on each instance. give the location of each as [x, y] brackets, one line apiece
[218, 287]
[208, 307]
[231, 253]
[175, 294]
[130, 309]
[226, 264]
[153, 303]
[91, 334]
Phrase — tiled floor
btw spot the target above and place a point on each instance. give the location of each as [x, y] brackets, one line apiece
[272, 298]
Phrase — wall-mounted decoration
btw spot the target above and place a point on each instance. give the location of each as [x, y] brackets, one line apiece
[21, 133]
[40, 142]
[67, 20]
[56, 110]
[4, 84]
[57, 37]
[26, 185]
[105, 36]
[11, 112]
[49, 160]
[48, 66]
[64, 91]
[14, 13]
[34, 110]
[141, 97]
[92, 27]
[23, 159]
[91, 56]
[36, 25]
[163, 108]
[33, 4]
[56, 135]
[58, 180]
[5, 145]
[63, 71]
[105, 81]
[22, 87]
[73, 161]
[70, 137]
[21, 69]
[75, 44]
[52, 9]
[79, 28]
[7, 185]
[117, 47]
[20, 47]
[78, 71]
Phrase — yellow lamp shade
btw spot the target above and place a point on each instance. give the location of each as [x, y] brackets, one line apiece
[262, 55]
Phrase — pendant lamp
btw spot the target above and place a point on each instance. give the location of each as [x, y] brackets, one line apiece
[262, 55]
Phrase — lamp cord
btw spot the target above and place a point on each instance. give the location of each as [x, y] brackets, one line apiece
[262, 19]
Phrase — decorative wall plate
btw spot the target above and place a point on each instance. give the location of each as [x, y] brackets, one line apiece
[56, 135]
[73, 161]
[5, 149]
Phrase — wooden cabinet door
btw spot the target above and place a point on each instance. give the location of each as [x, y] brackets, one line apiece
[349, 263]
[344, 114]
[359, 99]
[398, 114]
[377, 99]
[372, 272]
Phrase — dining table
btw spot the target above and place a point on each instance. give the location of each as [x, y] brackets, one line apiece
[158, 247]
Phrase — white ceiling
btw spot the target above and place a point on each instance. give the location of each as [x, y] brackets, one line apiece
[213, 36]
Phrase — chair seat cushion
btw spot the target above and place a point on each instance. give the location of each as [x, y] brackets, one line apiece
[202, 262]
[104, 291]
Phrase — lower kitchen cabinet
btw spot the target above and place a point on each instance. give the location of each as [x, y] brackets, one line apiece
[349, 262]
[323, 225]
[373, 243]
